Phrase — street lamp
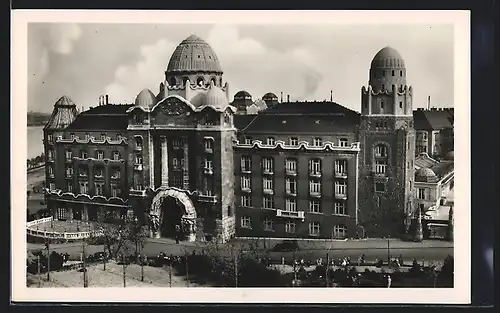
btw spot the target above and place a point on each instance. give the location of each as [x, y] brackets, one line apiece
[388, 250]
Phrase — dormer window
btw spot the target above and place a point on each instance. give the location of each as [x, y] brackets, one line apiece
[72, 136]
[138, 143]
[138, 119]
[87, 136]
[103, 137]
[100, 155]
[119, 137]
[317, 142]
[343, 142]
[248, 140]
[270, 141]
[83, 154]
[116, 156]
[294, 141]
[50, 138]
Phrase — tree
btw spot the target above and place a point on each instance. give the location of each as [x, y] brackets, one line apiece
[119, 237]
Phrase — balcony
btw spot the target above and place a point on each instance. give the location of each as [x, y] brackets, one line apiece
[291, 193]
[315, 194]
[208, 150]
[83, 175]
[246, 170]
[138, 148]
[137, 193]
[268, 191]
[290, 214]
[315, 174]
[98, 176]
[246, 190]
[68, 160]
[267, 171]
[115, 176]
[51, 175]
[291, 172]
[340, 175]
[207, 198]
[69, 175]
[379, 174]
[208, 171]
[340, 196]
[138, 167]
[50, 159]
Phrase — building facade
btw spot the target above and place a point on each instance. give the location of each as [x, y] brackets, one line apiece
[187, 159]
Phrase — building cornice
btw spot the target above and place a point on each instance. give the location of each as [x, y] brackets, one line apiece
[302, 145]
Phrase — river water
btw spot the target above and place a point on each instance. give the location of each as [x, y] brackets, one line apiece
[35, 141]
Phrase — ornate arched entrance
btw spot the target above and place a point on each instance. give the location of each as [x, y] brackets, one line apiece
[169, 208]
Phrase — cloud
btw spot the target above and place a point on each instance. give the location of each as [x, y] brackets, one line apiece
[51, 39]
[247, 64]
[147, 72]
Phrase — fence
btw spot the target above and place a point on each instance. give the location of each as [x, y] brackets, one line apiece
[57, 235]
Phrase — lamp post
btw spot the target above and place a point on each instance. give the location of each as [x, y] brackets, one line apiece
[388, 250]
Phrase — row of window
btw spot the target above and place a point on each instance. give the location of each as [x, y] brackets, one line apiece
[294, 141]
[267, 164]
[99, 154]
[83, 171]
[84, 188]
[338, 231]
[291, 186]
[339, 207]
[77, 214]
[50, 137]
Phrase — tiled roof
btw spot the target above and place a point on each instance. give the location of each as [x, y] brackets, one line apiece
[443, 168]
[63, 114]
[283, 123]
[310, 107]
[241, 121]
[104, 117]
[433, 119]
[423, 160]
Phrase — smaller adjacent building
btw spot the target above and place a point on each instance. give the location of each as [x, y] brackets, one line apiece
[434, 131]
[434, 182]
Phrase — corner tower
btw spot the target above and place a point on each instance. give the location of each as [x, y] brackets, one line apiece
[387, 138]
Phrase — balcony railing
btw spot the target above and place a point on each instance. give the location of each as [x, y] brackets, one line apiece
[208, 171]
[379, 174]
[115, 176]
[340, 175]
[291, 172]
[246, 170]
[268, 171]
[137, 193]
[291, 193]
[290, 214]
[138, 167]
[246, 189]
[207, 198]
[69, 175]
[208, 150]
[98, 176]
[68, 160]
[268, 191]
[340, 196]
[315, 194]
[315, 174]
[138, 148]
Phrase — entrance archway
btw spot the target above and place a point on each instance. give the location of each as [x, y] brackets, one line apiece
[171, 208]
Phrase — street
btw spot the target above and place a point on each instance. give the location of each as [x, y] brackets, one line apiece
[435, 251]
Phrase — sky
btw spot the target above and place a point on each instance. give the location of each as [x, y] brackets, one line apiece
[84, 61]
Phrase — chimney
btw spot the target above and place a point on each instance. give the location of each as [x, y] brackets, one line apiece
[107, 98]
[331, 95]
[287, 98]
[282, 96]
[428, 102]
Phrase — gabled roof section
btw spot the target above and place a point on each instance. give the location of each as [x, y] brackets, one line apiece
[423, 160]
[434, 119]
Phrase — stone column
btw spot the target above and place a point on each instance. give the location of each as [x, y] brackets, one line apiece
[151, 161]
[69, 214]
[185, 178]
[164, 161]
[85, 213]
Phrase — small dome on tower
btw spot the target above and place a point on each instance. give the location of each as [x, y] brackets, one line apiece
[214, 97]
[242, 95]
[425, 175]
[146, 98]
[388, 57]
[269, 96]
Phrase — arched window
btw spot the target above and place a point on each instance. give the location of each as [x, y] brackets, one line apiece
[138, 143]
[401, 73]
[381, 155]
[173, 81]
[220, 81]
[393, 73]
[184, 80]
[381, 151]
[383, 87]
[200, 81]
[213, 81]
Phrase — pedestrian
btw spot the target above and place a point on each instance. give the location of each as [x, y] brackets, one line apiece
[389, 280]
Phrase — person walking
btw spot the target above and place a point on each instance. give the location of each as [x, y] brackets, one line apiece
[177, 233]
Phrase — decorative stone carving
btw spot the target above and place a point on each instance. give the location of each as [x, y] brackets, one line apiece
[173, 107]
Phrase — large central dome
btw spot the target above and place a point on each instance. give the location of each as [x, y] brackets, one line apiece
[194, 54]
